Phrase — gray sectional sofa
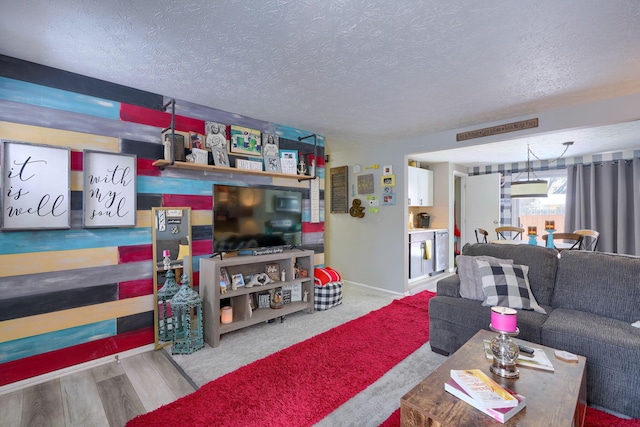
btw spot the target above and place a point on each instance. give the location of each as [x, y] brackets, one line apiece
[591, 300]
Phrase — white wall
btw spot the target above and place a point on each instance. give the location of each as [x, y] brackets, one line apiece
[374, 250]
[370, 250]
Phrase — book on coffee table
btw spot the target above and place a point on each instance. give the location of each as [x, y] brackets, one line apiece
[539, 360]
[485, 392]
[499, 414]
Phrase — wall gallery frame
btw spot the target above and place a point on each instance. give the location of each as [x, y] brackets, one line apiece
[35, 186]
[388, 180]
[109, 192]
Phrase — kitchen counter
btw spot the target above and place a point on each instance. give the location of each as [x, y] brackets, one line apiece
[422, 230]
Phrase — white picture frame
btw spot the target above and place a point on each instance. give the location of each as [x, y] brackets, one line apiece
[36, 191]
[109, 189]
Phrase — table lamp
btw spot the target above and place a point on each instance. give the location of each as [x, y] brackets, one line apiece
[505, 351]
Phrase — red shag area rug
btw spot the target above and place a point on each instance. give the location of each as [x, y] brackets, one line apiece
[302, 384]
[594, 418]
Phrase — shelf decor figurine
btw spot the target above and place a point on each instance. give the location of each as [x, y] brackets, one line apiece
[186, 308]
[532, 232]
[550, 227]
[505, 351]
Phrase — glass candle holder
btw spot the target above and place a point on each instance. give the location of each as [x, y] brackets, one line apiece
[505, 354]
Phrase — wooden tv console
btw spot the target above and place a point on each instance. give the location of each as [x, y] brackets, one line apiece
[243, 316]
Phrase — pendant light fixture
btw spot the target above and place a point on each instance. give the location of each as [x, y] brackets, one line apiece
[534, 187]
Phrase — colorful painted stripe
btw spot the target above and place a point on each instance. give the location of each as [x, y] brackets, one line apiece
[33, 94]
[23, 242]
[31, 326]
[161, 119]
[30, 346]
[33, 366]
[60, 138]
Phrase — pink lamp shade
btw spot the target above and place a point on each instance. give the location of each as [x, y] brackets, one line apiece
[504, 319]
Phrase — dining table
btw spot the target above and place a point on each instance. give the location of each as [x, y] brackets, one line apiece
[558, 245]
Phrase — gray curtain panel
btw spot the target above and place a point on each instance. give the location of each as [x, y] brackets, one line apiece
[605, 197]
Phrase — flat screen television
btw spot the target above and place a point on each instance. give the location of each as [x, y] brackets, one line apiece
[249, 217]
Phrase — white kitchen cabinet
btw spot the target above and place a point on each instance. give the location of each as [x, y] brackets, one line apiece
[420, 187]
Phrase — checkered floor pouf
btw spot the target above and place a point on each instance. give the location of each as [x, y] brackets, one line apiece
[328, 296]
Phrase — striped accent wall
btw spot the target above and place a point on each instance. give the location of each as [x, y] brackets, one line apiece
[516, 171]
[75, 295]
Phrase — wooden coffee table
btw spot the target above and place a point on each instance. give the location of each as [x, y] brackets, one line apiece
[553, 398]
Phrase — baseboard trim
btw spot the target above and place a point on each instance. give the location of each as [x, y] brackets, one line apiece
[374, 288]
[18, 385]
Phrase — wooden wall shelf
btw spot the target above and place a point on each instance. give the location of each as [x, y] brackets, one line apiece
[194, 166]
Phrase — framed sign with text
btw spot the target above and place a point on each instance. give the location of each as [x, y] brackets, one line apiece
[339, 189]
[109, 190]
[35, 186]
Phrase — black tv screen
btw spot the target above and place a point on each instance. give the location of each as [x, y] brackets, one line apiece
[246, 217]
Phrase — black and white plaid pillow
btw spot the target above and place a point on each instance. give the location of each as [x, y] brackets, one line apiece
[507, 285]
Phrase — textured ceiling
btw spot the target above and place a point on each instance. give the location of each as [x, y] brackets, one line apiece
[358, 71]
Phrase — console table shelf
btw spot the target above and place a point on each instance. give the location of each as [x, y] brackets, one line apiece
[209, 168]
[243, 315]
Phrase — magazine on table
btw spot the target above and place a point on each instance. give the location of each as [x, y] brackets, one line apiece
[499, 414]
[539, 359]
[484, 390]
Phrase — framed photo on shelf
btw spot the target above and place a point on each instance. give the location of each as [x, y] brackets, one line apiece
[237, 281]
[224, 277]
[196, 140]
[270, 144]
[273, 271]
[245, 141]
[272, 163]
[220, 157]
[216, 135]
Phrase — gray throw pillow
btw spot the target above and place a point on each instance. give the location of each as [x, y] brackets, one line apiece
[507, 285]
[470, 280]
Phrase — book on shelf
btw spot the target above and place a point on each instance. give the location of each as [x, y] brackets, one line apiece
[539, 359]
[499, 414]
[484, 391]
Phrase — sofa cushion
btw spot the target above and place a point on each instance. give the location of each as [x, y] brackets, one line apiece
[507, 285]
[470, 283]
[461, 318]
[542, 263]
[599, 283]
[611, 347]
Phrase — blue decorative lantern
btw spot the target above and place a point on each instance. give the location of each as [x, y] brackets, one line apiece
[168, 290]
[186, 309]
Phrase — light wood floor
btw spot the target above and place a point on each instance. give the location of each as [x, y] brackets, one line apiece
[107, 395]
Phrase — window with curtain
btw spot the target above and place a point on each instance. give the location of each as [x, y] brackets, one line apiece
[605, 196]
[534, 211]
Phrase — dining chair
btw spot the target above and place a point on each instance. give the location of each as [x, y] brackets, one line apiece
[516, 232]
[569, 241]
[481, 232]
[589, 240]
